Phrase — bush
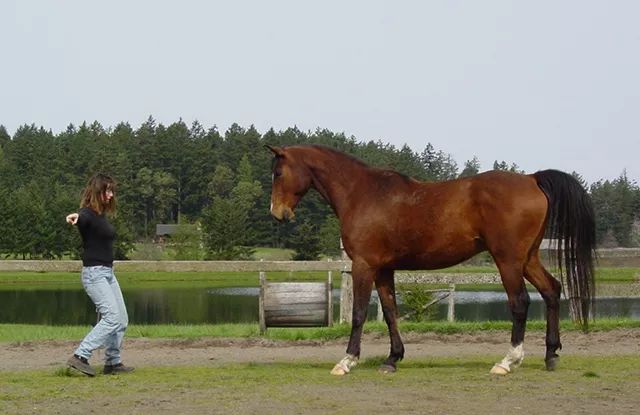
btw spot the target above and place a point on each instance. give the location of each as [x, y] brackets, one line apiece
[416, 297]
[147, 251]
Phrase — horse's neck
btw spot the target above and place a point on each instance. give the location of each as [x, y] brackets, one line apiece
[336, 179]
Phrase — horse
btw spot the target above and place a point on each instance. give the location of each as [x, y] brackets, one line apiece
[389, 221]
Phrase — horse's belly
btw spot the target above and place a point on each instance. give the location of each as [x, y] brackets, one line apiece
[439, 257]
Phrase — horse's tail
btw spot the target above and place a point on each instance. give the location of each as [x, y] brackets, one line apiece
[570, 220]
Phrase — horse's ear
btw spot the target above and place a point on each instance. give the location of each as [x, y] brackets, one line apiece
[275, 150]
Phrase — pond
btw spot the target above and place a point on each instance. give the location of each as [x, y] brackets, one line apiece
[240, 305]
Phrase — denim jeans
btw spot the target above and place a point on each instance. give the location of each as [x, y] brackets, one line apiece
[101, 285]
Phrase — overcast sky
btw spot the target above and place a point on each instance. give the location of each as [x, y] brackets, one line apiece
[543, 84]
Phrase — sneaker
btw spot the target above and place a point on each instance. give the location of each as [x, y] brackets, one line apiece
[81, 364]
[115, 369]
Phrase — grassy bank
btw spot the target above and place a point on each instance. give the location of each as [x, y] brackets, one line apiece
[26, 280]
[437, 385]
[28, 332]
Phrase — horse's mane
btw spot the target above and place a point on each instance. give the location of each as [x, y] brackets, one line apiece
[385, 172]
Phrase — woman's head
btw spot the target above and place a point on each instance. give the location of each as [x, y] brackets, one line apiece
[99, 194]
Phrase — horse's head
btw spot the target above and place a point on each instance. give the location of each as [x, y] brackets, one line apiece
[290, 180]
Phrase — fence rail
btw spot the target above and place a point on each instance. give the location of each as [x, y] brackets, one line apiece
[180, 266]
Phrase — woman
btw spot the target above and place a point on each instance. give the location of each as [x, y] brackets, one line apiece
[98, 279]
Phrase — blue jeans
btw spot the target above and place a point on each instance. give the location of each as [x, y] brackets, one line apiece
[101, 285]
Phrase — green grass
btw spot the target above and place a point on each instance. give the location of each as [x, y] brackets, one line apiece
[608, 384]
[34, 332]
[71, 280]
[617, 275]
[27, 280]
[273, 254]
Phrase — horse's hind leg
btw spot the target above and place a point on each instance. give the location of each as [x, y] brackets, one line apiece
[387, 294]
[549, 289]
[518, 297]
[363, 277]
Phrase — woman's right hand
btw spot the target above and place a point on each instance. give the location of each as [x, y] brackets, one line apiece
[72, 218]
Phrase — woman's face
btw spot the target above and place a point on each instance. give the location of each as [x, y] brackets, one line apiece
[107, 195]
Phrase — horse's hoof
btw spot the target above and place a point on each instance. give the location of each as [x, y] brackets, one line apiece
[338, 370]
[387, 369]
[499, 370]
[552, 363]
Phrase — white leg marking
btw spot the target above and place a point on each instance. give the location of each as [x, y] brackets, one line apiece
[345, 365]
[512, 360]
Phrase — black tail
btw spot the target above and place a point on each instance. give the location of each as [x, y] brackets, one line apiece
[570, 220]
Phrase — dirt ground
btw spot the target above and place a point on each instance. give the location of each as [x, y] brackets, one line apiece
[146, 352]
[436, 390]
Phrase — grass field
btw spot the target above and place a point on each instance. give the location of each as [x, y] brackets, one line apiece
[583, 385]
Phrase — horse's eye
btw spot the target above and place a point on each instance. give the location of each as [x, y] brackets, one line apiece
[277, 172]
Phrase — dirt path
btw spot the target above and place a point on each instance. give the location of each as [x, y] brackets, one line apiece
[167, 352]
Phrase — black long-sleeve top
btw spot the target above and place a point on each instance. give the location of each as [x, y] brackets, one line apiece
[97, 238]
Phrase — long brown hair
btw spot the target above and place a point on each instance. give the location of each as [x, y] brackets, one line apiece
[92, 195]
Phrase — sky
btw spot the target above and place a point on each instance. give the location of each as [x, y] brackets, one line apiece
[544, 84]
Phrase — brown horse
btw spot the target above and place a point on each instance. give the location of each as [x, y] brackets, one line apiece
[389, 221]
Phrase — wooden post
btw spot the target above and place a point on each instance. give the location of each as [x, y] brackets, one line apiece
[346, 297]
[263, 325]
[451, 314]
[329, 300]
[346, 291]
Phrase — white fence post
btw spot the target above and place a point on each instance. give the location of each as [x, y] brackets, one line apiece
[451, 314]
[263, 325]
[346, 291]
[330, 299]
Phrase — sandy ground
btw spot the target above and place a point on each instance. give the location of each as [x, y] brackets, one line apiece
[154, 352]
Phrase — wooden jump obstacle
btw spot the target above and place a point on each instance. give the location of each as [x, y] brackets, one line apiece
[295, 304]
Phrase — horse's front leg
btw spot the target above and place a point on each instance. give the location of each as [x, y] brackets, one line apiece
[387, 294]
[362, 281]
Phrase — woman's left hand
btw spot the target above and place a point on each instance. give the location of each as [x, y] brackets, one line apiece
[72, 218]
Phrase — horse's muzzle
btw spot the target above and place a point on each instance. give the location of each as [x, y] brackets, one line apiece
[283, 214]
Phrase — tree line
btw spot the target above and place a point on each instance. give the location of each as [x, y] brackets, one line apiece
[215, 184]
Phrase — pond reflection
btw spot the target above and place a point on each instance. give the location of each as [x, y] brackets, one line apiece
[240, 305]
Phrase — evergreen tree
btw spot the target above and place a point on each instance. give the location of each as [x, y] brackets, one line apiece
[513, 168]
[580, 180]
[5, 138]
[329, 236]
[221, 182]
[226, 223]
[471, 167]
[224, 228]
[186, 242]
[438, 165]
[615, 206]
[156, 194]
[306, 242]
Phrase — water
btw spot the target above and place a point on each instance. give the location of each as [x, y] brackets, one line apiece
[240, 305]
